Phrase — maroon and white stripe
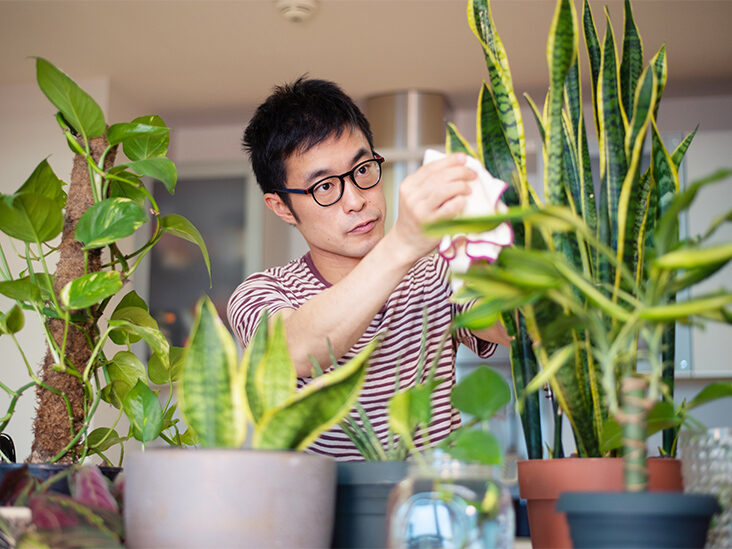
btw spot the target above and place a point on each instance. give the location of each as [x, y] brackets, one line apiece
[399, 322]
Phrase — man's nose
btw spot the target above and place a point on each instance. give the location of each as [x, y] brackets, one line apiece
[353, 198]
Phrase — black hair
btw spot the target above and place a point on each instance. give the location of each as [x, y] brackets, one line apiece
[293, 119]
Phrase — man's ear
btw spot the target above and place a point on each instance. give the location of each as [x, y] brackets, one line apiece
[275, 203]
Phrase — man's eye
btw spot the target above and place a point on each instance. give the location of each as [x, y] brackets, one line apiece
[363, 170]
[324, 187]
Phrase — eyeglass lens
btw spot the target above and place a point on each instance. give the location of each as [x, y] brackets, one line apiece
[365, 175]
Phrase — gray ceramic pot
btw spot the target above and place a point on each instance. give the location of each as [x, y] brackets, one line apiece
[228, 498]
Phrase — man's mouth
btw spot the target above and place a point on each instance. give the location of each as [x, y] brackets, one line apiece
[364, 227]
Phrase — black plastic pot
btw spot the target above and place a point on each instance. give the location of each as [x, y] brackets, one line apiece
[638, 519]
[361, 501]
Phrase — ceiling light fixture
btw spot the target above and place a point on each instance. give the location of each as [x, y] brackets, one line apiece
[297, 11]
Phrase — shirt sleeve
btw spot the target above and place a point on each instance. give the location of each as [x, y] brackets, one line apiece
[259, 292]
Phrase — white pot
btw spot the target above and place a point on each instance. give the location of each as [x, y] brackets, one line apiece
[228, 498]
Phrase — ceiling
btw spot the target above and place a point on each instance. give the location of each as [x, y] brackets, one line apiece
[211, 60]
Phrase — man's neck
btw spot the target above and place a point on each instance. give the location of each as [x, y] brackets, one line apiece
[333, 268]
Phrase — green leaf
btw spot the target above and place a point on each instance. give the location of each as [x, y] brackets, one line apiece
[251, 362]
[12, 321]
[481, 393]
[149, 145]
[28, 290]
[686, 258]
[276, 378]
[134, 314]
[102, 439]
[159, 168]
[108, 221]
[475, 446]
[30, 217]
[412, 407]
[76, 106]
[125, 369]
[179, 226]
[90, 289]
[152, 336]
[456, 142]
[162, 374]
[680, 312]
[133, 131]
[44, 181]
[143, 409]
[493, 146]
[319, 405]
[713, 391]
[211, 388]
[632, 62]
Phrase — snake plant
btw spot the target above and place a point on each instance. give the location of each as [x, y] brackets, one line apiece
[219, 394]
[591, 275]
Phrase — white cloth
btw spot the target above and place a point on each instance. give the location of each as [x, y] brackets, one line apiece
[461, 249]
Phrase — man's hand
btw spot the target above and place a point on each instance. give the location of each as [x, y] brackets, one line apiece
[434, 192]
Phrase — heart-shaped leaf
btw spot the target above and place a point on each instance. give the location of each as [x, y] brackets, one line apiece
[109, 221]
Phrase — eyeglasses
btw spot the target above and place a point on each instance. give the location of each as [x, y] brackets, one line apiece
[329, 190]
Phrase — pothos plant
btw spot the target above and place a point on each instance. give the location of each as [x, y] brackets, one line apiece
[105, 202]
[592, 276]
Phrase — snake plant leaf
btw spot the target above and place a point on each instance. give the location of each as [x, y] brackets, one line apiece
[76, 106]
[90, 289]
[108, 221]
[28, 289]
[45, 182]
[493, 147]
[612, 124]
[594, 53]
[562, 49]
[481, 393]
[143, 409]
[159, 168]
[276, 380]
[480, 20]
[13, 321]
[211, 387]
[713, 391]
[454, 142]
[666, 178]
[126, 131]
[475, 446]
[631, 65]
[30, 217]
[537, 117]
[179, 226]
[661, 69]
[633, 200]
[321, 404]
[252, 361]
[150, 144]
[680, 151]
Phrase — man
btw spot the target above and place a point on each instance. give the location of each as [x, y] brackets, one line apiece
[312, 153]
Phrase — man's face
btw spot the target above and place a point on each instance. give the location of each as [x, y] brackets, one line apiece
[351, 227]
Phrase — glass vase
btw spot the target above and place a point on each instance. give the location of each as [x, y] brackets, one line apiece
[706, 465]
[447, 503]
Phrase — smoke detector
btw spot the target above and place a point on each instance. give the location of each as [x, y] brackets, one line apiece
[297, 10]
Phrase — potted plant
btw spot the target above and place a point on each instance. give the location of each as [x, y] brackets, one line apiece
[590, 282]
[78, 304]
[220, 495]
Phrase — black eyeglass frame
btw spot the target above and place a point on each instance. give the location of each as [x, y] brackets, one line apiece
[379, 160]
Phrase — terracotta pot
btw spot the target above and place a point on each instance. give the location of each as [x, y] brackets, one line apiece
[541, 482]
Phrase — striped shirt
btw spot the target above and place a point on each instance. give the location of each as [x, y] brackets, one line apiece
[399, 322]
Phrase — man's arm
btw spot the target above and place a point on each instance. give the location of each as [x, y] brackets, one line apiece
[341, 313]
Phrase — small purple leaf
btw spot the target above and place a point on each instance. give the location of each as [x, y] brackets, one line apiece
[50, 513]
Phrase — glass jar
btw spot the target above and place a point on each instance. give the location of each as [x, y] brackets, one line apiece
[448, 503]
[706, 465]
